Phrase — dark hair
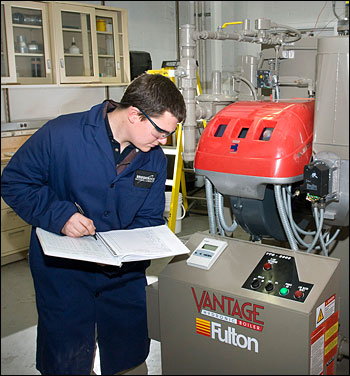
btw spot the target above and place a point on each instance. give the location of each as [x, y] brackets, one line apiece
[155, 94]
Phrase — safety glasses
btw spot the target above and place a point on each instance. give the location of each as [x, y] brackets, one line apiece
[163, 133]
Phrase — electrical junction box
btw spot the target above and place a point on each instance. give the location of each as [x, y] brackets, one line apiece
[213, 321]
[263, 79]
[316, 179]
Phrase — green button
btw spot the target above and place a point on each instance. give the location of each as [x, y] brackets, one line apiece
[284, 291]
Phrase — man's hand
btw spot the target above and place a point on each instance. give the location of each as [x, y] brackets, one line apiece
[78, 225]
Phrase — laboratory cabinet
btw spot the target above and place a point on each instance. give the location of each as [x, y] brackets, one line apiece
[15, 232]
[25, 45]
[63, 43]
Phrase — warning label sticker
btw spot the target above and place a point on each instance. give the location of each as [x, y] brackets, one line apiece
[325, 310]
[324, 339]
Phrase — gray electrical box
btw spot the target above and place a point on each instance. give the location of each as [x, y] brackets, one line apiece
[259, 309]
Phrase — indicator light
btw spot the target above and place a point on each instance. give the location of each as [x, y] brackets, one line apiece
[298, 294]
[284, 291]
[267, 266]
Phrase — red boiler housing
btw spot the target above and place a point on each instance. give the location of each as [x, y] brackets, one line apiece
[258, 139]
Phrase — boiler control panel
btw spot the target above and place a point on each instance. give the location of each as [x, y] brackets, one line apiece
[276, 274]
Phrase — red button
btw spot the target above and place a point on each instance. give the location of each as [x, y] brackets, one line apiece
[267, 266]
[298, 294]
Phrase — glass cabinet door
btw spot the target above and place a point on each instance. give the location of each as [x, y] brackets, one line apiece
[108, 46]
[8, 73]
[25, 43]
[76, 36]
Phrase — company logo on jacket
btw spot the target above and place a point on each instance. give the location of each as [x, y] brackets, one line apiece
[144, 178]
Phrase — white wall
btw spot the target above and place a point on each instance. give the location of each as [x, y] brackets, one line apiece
[152, 28]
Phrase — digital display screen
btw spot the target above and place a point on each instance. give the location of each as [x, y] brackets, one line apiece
[209, 246]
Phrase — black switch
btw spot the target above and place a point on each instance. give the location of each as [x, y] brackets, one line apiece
[255, 284]
[269, 287]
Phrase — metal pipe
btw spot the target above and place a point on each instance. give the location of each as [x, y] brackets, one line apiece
[196, 28]
[188, 85]
[216, 82]
[177, 20]
[205, 34]
[251, 87]
[204, 59]
[7, 106]
[295, 31]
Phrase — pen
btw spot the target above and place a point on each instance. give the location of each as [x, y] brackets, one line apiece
[81, 211]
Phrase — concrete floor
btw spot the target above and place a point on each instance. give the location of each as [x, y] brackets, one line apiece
[19, 315]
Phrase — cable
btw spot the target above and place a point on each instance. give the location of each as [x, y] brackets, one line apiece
[221, 230]
[220, 203]
[210, 205]
[319, 223]
[333, 7]
[284, 218]
[333, 19]
[325, 3]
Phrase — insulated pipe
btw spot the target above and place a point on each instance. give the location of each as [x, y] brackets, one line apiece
[188, 85]
[219, 35]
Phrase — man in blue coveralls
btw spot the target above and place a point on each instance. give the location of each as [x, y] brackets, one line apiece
[108, 160]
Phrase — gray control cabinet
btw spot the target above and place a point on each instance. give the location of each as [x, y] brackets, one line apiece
[258, 310]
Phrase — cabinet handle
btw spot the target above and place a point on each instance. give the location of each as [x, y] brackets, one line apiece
[48, 63]
[10, 212]
[62, 63]
[16, 232]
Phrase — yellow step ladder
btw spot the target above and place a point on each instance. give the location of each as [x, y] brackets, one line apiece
[178, 174]
[178, 178]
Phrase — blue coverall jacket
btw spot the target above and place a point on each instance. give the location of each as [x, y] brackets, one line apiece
[69, 160]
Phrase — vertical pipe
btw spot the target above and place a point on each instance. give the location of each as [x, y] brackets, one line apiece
[6, 106]
[216, 82]
[177, 26]
[188, 85]
[203, 63]
[196, 28]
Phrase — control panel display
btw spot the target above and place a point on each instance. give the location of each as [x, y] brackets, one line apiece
[276, 274]
[206, 253]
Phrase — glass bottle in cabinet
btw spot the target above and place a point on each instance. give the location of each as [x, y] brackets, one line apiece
[24, 43]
